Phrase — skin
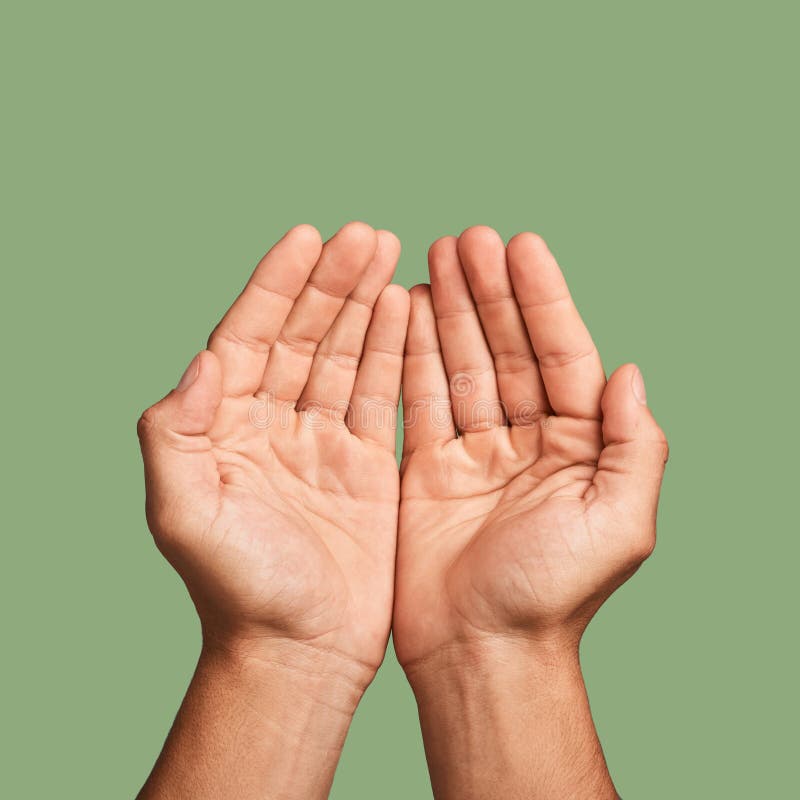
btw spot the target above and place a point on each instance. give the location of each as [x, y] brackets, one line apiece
[279, 511]
[529, 494]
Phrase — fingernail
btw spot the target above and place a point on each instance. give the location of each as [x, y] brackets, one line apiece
[637, 384]
[189, 377]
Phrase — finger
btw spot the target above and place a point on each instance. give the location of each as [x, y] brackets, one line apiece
[483, 257]
[180, 470]
[427, 414]
[373, 405]
[333, 370]
[245, 334]
[631, 464]
[568, 360]
[467, 358]
[341, 265]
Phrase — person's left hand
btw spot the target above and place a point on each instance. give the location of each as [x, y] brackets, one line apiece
[530, 486]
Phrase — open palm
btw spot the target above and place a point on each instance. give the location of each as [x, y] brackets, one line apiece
[529, 485]
[271, 479]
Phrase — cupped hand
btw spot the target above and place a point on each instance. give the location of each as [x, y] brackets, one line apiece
[272, 485]
[529, 483]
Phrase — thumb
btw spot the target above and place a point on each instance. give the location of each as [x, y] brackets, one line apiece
[631, 464]
[181, 476]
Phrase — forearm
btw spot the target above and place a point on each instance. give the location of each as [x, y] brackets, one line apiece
[507, 720]
[258, 726]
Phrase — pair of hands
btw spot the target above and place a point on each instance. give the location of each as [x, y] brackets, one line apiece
[526, 494]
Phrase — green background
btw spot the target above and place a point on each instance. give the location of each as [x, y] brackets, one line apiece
[151, 153]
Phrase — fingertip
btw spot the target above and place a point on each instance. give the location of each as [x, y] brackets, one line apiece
[479, 236]
[397, 299]
[191, 406]
[619, 388]
[307, 240]
[391, 318]
[388, 240]
[638, 387]
[442, 246]
[534, 271]
[483, 256]
[198, 403]
[527, 241]
[204, 368]
[189, 376]
[420, 293]
[445, 270]
[210, 368]
[387, 253]
[305, 232]
[359, 234]
[421, 320]
[625, 416]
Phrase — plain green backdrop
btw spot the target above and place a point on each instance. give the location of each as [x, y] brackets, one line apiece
[153, 151]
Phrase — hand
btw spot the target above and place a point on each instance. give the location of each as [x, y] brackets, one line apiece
[530, 486]
[277, 507]
[272, 488]
[529, 493]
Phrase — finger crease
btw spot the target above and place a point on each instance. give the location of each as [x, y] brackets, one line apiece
[556, 360]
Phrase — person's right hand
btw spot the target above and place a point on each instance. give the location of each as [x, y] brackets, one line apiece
[276, 506]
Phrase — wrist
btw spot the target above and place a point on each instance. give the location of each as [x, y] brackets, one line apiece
[513, 712]
[259, 719]
[307, 674]
[492, 658]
